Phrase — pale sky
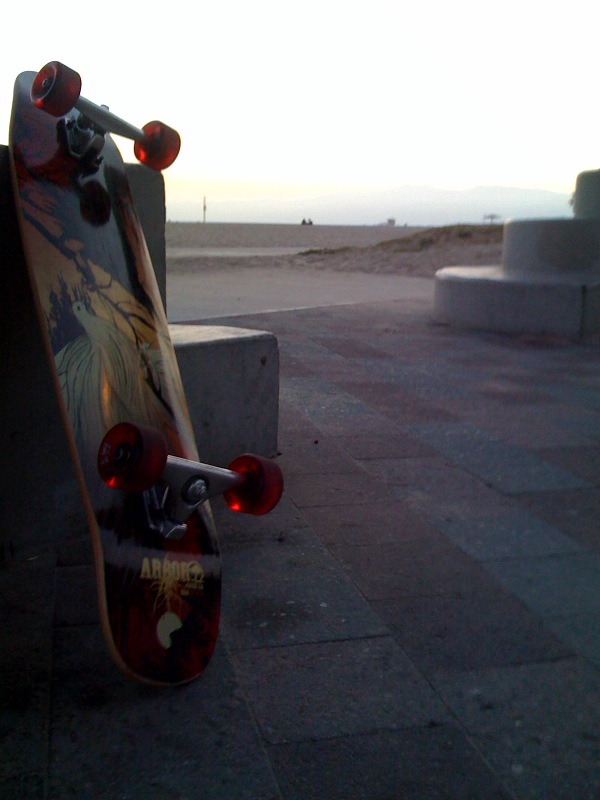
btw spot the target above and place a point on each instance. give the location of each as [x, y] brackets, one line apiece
[276, 98]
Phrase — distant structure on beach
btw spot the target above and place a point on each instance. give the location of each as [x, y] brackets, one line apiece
[389, 223]
[307, 221]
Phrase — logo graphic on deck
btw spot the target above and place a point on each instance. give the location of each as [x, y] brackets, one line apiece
[171, 580]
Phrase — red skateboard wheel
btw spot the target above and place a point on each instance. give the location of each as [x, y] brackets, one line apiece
[262, 489]
[56, 88]
[160, 147]
[131, 458]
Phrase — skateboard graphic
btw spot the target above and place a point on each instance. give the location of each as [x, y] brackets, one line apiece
[119, 390]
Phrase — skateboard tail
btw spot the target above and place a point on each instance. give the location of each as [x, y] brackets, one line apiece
[160, 613]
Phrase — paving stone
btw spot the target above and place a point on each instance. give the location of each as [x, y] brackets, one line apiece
[576, 512]
[335, 412]
[335, 688]
[582, 461]
[329, 489]
[435, 487]
[236, 532]
[428, 566]
[393, 401]
[377, 522]
[586, 393]
[312, 454]
[284, 594]
[80, 654]
[538, 426]
[579, 631]
[293, 421]
[507, 534]
[388, 444]
[436, 763]
[76, 551]
[350, 347]
[309, 349]
[26, 610]
[23, 785]
[510, 393]
[507, 468]
[24, 710]
[76, 596]
[473, 630]
[435, 383]
[114, 738]
[536, 724]
[553, 585]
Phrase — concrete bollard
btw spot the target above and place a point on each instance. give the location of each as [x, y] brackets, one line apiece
[548, 282]
[587, 195]
[551, 247]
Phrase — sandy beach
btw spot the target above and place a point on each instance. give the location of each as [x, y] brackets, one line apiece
[384, 250]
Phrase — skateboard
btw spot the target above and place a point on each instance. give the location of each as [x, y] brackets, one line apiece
[146, 495]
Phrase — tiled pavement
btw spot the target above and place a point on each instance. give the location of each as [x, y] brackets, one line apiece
[418, 619]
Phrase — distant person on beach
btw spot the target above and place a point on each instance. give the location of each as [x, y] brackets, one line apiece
[307, 222]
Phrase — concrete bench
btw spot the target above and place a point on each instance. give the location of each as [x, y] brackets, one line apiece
[548, 283]
[231, 381]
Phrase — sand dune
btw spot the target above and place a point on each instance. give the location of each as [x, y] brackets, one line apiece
[194, 247]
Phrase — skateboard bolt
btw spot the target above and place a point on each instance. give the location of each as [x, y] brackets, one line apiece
[196, 491]
[123, 455]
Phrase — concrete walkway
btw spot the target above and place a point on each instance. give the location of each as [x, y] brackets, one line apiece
[418, 619]
[231, 291]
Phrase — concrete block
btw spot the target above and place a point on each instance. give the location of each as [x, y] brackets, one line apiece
[587, 194]
[488, 298]
[590, 315]
[547, 246]
[548, 282]
[231, 381]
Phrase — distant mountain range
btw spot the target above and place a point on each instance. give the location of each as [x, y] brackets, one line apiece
[408, 205]
[441, 207]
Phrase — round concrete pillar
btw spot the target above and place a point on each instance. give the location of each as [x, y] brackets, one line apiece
[551, 246]
[587, 194]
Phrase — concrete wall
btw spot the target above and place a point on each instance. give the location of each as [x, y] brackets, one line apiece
[148, 190]
[39, 499]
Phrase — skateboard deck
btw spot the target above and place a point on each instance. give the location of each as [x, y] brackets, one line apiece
[112, 361]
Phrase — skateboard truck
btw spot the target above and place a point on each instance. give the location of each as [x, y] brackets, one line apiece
[56, 89]
[135, 459]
